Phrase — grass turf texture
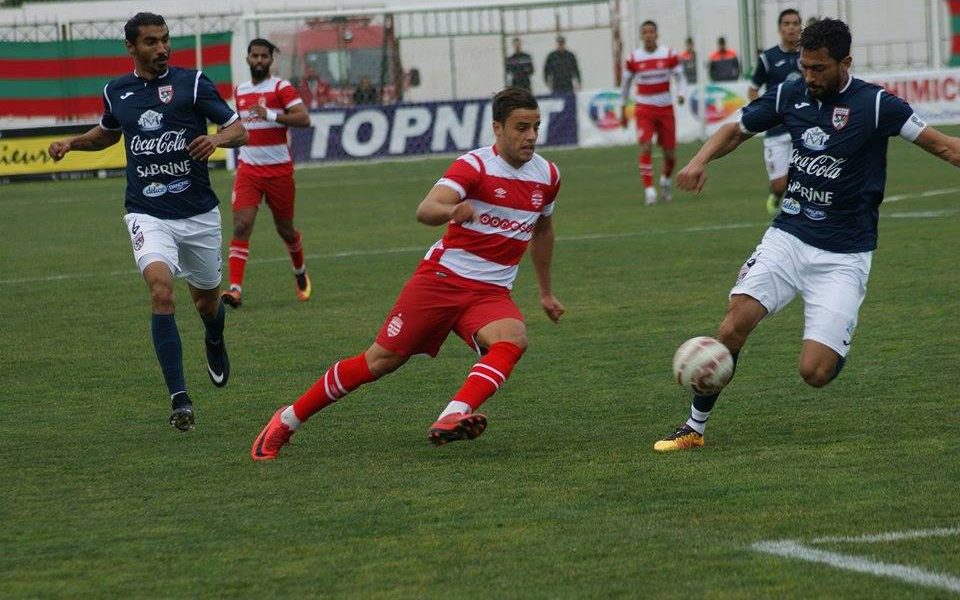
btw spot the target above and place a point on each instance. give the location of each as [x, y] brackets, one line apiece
[562, 497]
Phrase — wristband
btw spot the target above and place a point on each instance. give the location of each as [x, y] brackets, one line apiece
[271, 115]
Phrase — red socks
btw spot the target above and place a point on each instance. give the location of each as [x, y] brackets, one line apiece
[489, 374]
[239, 251]
[646, 169]
[296, 253]
[339, 380]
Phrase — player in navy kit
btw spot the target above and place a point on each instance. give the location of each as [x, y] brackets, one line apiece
[777, 65]
[821, 244]
[172, 216]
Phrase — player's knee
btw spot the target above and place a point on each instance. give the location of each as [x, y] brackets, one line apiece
[778, 187]
[161, 297]
[733, 334]
[384, 363]
[519, 340]
[817, 374]
[242, 230]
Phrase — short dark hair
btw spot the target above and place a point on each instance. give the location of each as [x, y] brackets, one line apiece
[787, 12]
[261, 42]
[649, 22]
[131, 30]
[510, 99]
[832, 34]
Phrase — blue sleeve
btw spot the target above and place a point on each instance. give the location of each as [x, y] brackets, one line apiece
[108, 121]
[760, 73]
[761, 114]
[892, 114]
[209, 103]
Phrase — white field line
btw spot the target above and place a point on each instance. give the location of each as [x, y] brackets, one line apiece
[570, 238]
[862, 564]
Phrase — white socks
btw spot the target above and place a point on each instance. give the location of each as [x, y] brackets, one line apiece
[455, 406]
[289, 418]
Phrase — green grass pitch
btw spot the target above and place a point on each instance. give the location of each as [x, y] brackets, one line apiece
[562, 497]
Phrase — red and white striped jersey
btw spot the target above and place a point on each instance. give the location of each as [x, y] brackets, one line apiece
[267, 153]
[652, 72]
[508, 202]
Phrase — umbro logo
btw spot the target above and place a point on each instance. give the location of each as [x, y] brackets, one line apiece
[500, 193]
[801, 104]
[780, 62]
[125, 95]
[846, 342]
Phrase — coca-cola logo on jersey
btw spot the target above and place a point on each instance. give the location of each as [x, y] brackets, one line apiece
[168, 141]
[505, 224]
[822, 165]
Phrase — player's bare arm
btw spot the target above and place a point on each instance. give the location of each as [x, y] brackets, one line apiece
[97, 138]
[940, 144]
[692, 177]
[233, 135]
[752, 93]
[295, 116]
[541, 254]
[442, 205]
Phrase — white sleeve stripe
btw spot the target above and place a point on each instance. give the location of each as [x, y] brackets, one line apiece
[743, 127]
[763, 58]
[777, 105]
[294, 103]
[107, 98]
[230, 120]
[876, 111]
[453, 185]
[196, 84]
[471, 160]
[105, 128]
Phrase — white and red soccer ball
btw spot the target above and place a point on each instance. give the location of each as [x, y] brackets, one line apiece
[703, 365]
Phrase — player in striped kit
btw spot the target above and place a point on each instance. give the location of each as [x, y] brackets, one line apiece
[651, 66]
[496, 201]
[268, 105]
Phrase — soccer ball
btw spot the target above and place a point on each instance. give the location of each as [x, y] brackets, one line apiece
[703, 365]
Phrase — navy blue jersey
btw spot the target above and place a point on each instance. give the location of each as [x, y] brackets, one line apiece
[838, 168]
[774, 68]
[159, 118]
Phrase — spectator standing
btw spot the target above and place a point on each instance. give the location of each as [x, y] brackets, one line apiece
[519, 67]
[365, 93]
[314, 91]
[688, 60]
[724, 64]
[561, 69]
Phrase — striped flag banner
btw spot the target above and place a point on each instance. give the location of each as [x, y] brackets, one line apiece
[65, 79]
[954, 7]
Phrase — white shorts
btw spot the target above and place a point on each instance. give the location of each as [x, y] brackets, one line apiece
[190, 247]
[831, 284]
[776, 155]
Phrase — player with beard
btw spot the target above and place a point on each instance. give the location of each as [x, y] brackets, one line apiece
[821, 244]
[268, 105]
[495, 201]
[173, 216]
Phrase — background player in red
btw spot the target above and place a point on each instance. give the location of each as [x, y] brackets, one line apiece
[496, 200]
[268, 106]
[652, 65]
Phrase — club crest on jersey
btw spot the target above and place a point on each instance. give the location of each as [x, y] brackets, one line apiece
[150, 121]
[394, 326]
[841, 116]
[500, 193]
[166, 93]
[536, 198]
[815, 138]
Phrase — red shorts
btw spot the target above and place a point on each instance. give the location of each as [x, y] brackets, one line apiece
[434, 302]
[279, 192]
[656, 120]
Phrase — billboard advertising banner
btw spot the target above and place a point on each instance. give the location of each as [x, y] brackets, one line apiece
[419, 129]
